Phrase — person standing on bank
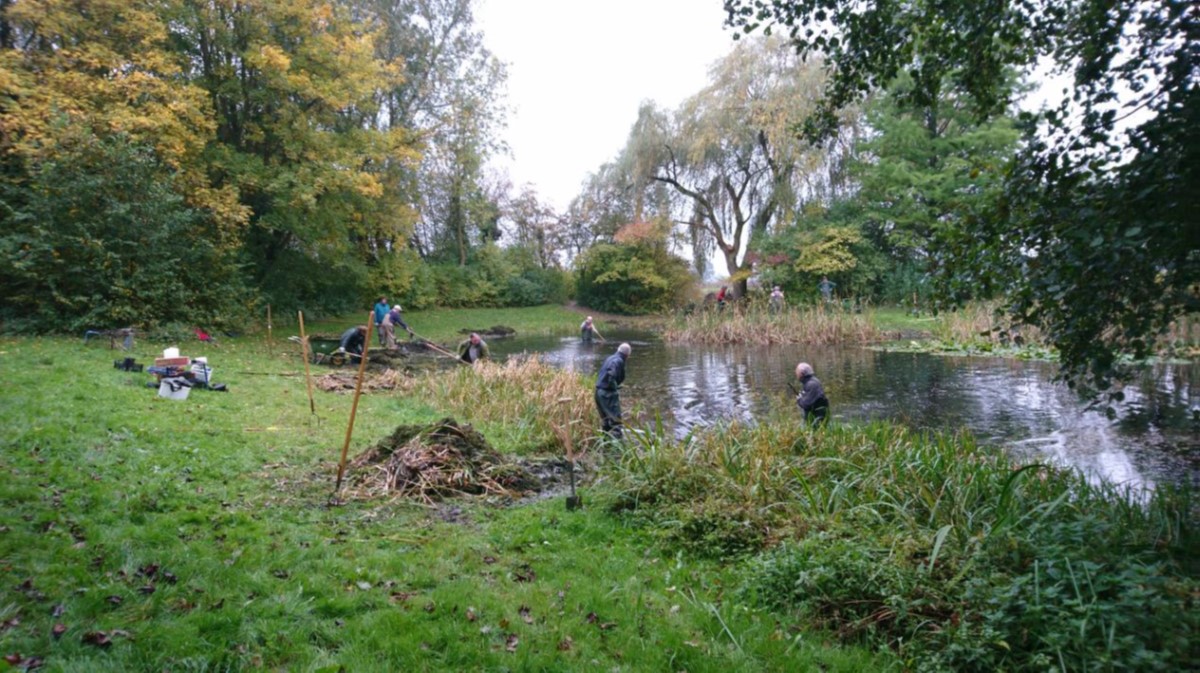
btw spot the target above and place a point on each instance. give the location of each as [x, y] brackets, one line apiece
[381, 309]
[473, 349]
[826, 287]
[608, 397]
[391, 321]
[812, 396]
[776, 303]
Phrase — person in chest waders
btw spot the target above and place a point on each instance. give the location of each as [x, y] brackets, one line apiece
[812, 396]
[587, 331]
[473, 349]
[608, 399]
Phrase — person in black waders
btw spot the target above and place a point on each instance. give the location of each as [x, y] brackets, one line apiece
[812, 396]
[608, 400]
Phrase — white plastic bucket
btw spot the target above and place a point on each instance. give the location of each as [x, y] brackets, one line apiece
[173, 388]
[172, 352]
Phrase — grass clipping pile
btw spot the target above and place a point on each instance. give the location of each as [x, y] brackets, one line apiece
[437, 461]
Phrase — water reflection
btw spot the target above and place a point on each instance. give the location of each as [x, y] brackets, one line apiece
[1155, 437]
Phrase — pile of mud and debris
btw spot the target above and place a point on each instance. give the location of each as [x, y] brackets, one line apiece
[445, 459]
[493, 332]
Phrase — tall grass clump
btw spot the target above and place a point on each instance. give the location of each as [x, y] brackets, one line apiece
[551, 409]
[982, 323]
[929, 544]
[754, 324]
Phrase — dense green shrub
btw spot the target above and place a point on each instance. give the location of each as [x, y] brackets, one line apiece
[100, 238]
[636, 278]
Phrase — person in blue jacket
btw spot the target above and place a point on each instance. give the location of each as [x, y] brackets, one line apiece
[381, 310]
[608, 399]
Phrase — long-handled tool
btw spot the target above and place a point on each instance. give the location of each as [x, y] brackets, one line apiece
[437, 349]
[597, 333]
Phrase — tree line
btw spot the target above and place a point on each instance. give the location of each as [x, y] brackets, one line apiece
[186, 161]
[189, 160]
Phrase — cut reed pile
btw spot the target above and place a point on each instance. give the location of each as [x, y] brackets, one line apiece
[815, 325]
[436, 461]
[343, 382]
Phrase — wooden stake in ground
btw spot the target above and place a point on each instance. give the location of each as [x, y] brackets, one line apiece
[362, 368]
[269, 341]
[312, 405]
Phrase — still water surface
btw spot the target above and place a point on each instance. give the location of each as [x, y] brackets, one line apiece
[1155, 437]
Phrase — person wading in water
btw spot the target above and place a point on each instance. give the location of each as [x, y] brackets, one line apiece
[608, 399]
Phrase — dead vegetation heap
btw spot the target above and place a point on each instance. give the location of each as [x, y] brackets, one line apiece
[436, 461]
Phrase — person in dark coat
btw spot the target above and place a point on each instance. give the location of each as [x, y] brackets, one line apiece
[812, 396]
[353, 339]
[608, 399]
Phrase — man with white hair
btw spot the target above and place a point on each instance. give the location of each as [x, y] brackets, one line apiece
[608, 399]
[812, 396]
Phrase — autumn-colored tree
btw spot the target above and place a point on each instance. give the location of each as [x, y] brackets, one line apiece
[105, 66]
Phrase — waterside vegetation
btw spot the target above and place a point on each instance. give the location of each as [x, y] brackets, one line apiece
[145, 533]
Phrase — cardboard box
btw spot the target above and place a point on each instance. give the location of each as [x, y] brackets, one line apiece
[172, 362]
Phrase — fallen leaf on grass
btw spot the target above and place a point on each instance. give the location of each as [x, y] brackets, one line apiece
[510, 643]
[58, 610]
[524, 612]
[149, 570]
[97, 638]
[364, 586]
[471, 616]
[565, 644]
[58, 630]
[147, 590]
[489, 559]
[115, 600]
[280, 574]
[430, 607]
[400, 597]
[10, 623]
[524, 574]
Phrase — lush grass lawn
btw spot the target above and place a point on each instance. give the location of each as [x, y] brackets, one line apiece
[199, 536]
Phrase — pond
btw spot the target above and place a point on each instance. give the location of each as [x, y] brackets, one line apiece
[1154, 438]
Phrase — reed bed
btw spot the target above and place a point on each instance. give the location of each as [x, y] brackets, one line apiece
[756, 325]
[983, 323]
[553, 408]
[930, 544]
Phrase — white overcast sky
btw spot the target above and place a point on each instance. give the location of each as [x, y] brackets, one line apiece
[577, 72]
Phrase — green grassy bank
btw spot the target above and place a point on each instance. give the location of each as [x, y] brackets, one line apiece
[144, 534]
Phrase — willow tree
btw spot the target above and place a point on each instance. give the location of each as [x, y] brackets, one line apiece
[1095, 239]
[728, 153]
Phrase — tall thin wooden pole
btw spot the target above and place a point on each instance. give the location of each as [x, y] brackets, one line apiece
[362, 368]
[312, 405]
[270, 341]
